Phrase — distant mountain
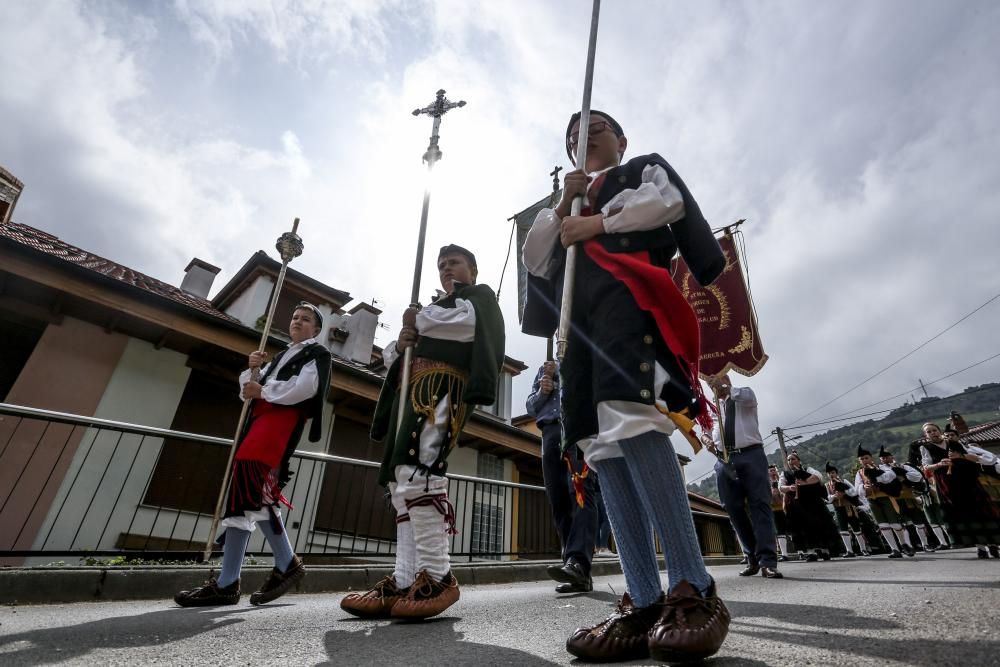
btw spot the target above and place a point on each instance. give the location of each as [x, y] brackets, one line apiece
[896, 431]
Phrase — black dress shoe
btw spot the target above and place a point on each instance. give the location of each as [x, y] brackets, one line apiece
[771, 573]
[982, 554]
[782, 558]
[849, 554]
[944, 547]
[811, 558]
[576, 588]
[994, 550]
[895, 554]
[750, 570]
[745, 561]
[908, 550]
[570, 573]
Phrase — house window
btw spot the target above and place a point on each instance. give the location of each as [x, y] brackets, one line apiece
[487, 530]
[489, 466]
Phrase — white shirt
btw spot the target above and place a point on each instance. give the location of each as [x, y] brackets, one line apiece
[656, 202]
[886, 476]
[293, 390]
[747, 429]
[457, 324]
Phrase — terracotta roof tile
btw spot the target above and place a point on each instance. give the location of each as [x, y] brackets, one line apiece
[53, 246]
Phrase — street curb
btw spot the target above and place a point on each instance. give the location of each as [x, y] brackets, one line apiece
[51, 585]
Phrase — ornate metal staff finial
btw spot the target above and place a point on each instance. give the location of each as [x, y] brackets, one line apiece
[439, 107]
[555, 178]
[289, 244]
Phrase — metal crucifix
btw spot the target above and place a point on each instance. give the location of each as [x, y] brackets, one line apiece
[439, 107]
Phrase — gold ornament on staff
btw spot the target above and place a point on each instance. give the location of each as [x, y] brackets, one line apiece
[289, 246]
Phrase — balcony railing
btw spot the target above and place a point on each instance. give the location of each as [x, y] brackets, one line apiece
[75, 486]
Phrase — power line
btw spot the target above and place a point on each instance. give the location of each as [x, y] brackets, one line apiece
[922, 403]
[903, 393]
[908, 354]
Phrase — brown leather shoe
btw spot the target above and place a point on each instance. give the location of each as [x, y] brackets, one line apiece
[692, 627]
[427, 597]
[209, 595]
[622, 636]
[279, 582]
[376, 603]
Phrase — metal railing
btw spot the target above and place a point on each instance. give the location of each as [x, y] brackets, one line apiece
[76, 486]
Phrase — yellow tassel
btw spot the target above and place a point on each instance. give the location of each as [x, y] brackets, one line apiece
[685, 425]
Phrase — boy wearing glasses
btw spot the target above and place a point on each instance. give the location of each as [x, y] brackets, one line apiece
[630, 373]
[290, 390]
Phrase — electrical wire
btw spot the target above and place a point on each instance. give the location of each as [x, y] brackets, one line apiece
[908, 354]
[904, 393]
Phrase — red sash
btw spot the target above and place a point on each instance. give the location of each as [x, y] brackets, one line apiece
[269, 433]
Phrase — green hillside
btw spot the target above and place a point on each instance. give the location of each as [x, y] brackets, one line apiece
[896, 431]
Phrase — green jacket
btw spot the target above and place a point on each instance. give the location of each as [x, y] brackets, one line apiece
[482, 359]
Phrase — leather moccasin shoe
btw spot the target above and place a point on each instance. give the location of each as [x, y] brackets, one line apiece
[427, 597]
[691, 627]
[209, 595]
[624, 635]
[771, 573]
[750, 570]
[376, 603]
[279, 582]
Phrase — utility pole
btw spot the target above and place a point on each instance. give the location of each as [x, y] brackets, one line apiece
[923, 388]
[781, 445]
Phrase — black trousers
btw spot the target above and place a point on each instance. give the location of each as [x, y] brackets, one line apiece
[576, 525]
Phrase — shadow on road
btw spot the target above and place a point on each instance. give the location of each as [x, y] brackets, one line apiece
[903, 582]
[434, 641]
[825, 628]
[48, 646]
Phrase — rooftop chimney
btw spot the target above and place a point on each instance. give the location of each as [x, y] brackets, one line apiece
[198, 277]
[354, 336]
[10, 190]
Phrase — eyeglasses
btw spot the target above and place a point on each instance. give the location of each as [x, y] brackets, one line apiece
[593, 129]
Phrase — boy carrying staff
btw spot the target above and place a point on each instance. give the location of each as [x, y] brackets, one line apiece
[458, 350]
[631, 359]
[291, 389]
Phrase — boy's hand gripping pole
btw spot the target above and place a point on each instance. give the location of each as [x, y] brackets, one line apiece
[439, 107]
[289, 246]
[569, 275]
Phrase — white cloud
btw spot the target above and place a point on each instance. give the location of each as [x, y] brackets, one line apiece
[864, 158]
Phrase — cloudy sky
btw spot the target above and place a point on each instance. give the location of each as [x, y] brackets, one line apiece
[859, 139]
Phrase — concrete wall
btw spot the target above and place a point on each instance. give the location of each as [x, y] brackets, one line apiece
[107, 478]
[68, 371]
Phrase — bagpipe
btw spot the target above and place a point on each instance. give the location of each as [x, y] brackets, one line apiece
[844, 487]
[919, 486]
[873, 472]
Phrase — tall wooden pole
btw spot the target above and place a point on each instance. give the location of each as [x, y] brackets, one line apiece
[289, 246]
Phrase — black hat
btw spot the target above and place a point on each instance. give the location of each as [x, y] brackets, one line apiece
[956, 446]
[830, 468]
[575, 117]
[882, 452]
[862, 451]
[948, 428]
[315, 311]
[452, 249]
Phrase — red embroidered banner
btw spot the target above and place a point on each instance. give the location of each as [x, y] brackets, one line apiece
[729, 336]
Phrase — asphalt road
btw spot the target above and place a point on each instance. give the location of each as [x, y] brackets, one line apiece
[940, 609]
